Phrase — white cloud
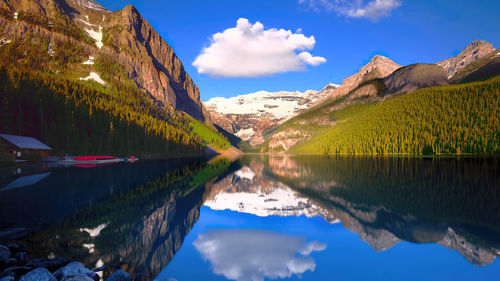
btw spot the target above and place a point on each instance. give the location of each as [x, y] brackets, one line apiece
[249, 50]
[309, 59]
[372, 9]
[254, 255]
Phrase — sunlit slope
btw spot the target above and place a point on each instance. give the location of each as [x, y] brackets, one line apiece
[454, 119]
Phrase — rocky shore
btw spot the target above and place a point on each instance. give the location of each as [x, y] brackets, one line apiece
[16, 263]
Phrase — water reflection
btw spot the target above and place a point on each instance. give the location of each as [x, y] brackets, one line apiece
[255, 254]
[139, 216]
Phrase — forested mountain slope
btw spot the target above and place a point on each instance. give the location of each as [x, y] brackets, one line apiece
[453, 119]
[112, 84]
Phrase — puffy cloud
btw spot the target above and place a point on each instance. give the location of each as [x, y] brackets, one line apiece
[255, 255]
[309, 59]
[373, 9]
[249, 50]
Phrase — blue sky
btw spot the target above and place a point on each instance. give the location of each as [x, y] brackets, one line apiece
[346, 34]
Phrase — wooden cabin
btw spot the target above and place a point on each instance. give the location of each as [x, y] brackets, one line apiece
[24, 147]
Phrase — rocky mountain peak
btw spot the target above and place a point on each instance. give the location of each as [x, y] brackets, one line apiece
[383, 66]
[89, 5]
[474, 51]
[477, 44]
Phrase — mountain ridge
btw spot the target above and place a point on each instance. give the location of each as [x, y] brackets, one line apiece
[123, 35]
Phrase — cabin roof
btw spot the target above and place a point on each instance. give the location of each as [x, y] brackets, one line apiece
[25, 142]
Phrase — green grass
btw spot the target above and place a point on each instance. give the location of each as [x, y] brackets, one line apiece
[209, 135]
[453, 119]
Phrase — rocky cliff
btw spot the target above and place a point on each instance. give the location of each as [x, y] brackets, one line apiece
[123, 38]
[469, 54]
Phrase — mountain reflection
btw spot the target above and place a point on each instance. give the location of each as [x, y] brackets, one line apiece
[254, 255]
[451, 202]
[138, 217]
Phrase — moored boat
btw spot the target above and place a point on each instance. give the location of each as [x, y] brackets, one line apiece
[92, 160]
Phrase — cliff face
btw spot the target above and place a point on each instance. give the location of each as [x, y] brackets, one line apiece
[123, 36]
[152, 63]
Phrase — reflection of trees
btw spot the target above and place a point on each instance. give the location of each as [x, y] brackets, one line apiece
[453, 202]
[145, 226]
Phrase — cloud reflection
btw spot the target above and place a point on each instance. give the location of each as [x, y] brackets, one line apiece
[252, 255]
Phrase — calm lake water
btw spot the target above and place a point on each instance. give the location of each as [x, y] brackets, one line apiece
[266, 217]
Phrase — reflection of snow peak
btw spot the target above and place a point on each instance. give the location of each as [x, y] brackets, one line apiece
[280, 202]
[245, 173]
[94, 232]
[255, 255]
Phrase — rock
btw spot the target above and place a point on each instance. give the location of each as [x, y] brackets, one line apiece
[74, 269]
[78, 278]
[4, 255]
[11, 262]
[21, 257]
[14, 248]
[50, 264]
[8, 278]
[120, 275]
[39, 274]
[10, 234]
[16, 270]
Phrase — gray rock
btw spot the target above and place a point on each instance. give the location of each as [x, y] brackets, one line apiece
[39, 274]
[8, 278]
[120, 275]
[21, 257]
[4, 255]
[75, 269]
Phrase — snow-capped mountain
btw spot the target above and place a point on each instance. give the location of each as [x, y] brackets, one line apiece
[250, 116]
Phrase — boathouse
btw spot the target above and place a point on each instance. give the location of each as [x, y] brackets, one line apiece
[19, 145]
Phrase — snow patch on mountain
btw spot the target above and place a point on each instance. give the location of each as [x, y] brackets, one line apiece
[90, 61]
[96, 35]
[15, 15]
[94, 76]
[279, 104]
[4, 41]
[92, 5]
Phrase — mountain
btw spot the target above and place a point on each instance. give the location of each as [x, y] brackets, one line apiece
[481, 69]
[469, 54]
[81, 47]
[123, 36]
[251, 116]
[378, 67]
[376, 91]
[249, 190]
[434, 120]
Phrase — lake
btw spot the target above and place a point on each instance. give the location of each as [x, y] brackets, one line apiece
[266, 217]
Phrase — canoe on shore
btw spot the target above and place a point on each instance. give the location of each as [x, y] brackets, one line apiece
[92, 160]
